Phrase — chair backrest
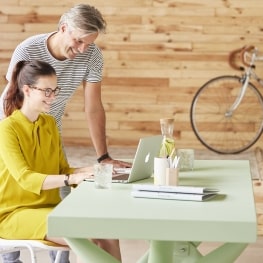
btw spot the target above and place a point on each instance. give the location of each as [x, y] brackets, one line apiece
[8, 245]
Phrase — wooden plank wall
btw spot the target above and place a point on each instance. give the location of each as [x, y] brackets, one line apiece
[157, 54]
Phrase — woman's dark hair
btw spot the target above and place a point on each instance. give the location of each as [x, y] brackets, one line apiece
[24, 73]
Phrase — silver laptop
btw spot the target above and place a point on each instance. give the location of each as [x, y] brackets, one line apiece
[143, 162]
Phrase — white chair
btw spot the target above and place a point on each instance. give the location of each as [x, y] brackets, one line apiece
[8, 245]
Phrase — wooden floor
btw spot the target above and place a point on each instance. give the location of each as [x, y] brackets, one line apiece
[133, 249]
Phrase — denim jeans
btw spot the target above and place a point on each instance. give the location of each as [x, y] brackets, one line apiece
[64, 256]
[13, 257]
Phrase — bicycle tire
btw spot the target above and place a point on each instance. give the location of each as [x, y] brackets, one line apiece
[221, 134]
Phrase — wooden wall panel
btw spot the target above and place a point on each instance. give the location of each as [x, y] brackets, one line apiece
[157, 54]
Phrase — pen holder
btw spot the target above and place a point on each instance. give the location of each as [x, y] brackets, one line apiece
[172, 176]
[160, 165]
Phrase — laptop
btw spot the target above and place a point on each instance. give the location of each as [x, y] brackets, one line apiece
[143, 162]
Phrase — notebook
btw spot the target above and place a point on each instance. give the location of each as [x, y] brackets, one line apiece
[187, 193]
[143, 163]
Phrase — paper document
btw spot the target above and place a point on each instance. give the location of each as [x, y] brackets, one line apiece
[172, 196]
[187, 193]
[174, 189]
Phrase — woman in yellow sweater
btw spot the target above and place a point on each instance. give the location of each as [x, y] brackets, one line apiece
[32, 162]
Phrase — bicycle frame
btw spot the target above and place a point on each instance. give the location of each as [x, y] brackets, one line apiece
[249, 72]
[239, 98]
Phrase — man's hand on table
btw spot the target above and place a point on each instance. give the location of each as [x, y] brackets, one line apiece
[117, 163]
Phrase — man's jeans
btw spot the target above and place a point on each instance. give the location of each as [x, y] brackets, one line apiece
[13, 257]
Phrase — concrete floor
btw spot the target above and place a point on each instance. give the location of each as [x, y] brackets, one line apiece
[132, 250]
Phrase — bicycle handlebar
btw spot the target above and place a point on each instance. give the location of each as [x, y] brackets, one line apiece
[241, 52]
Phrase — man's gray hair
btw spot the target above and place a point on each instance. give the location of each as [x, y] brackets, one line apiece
[84, 17]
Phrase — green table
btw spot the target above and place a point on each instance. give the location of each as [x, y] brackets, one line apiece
[173, 228]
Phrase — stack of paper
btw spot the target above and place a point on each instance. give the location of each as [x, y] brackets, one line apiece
[187, 193]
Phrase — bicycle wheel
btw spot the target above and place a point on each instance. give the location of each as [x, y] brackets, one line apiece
[227, 134]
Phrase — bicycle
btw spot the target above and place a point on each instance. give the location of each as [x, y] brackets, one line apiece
[227, 111]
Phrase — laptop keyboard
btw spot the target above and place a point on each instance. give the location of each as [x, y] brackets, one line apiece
[122, 170]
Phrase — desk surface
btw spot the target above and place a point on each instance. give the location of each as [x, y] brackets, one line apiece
[100, 213]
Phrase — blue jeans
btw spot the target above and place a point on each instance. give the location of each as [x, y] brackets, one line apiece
[64, 256]
[13, 257]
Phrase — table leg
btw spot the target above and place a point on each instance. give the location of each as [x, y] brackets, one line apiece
[89, 252]
[187, 252]
[161, 251]
[144, 258]
[226, 253]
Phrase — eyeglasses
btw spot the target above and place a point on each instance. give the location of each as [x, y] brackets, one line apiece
[48, 91]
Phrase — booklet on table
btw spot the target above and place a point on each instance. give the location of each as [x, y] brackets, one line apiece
[187, 193]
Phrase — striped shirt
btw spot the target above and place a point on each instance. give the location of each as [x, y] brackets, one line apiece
[87, 66]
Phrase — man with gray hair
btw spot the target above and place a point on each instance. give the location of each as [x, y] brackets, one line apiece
[76, 59]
